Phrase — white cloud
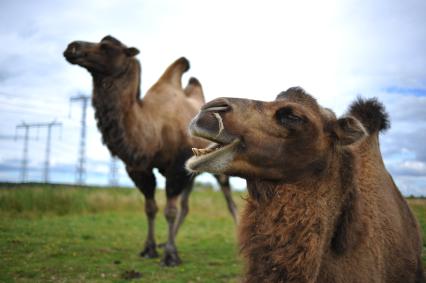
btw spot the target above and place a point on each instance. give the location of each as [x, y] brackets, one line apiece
[415, 165]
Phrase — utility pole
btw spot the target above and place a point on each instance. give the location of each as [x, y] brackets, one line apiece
[81, 164]
[113, 172]
[24, 164]
[48, 144]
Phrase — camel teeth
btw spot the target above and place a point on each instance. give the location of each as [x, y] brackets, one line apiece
[195, 151]
[198, 152]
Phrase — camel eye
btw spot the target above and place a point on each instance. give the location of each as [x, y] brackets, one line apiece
[108, 49]
[104, 46]
[285, 116]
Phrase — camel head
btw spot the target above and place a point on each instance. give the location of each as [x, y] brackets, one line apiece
[108, 57]
[284, 140]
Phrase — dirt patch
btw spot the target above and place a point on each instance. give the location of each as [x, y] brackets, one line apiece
[131, 274]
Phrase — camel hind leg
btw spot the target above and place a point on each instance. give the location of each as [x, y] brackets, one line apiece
[177, 184]
[226, 190]
[145, 182]
[184, 205]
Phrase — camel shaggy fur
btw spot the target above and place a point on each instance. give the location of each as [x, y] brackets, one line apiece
[146, 133]
[321, 205]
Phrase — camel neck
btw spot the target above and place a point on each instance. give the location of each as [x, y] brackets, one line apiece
[302, 221]
[121, 88]
[115, 99]
[336, 171]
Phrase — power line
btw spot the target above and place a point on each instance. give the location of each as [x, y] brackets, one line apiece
[81, 164]
[14, 138]
[26, 97]
[28, 111]
[28, 103]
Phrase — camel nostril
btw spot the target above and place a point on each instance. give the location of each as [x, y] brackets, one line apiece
[208, 122]
[218, 108]
[74, 48]
[217, 105]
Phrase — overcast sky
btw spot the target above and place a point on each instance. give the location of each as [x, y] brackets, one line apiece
[336, 50]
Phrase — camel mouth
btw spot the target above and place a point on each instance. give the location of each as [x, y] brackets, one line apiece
[212, 148]
[209, 125]
[72, 57]
[213, 157]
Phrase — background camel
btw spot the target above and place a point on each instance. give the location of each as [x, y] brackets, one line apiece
[149, 133]
[321, 206]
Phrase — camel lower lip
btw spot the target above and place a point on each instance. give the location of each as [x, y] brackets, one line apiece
[202, 156]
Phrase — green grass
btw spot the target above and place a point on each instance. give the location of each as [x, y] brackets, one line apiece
[58, 234]
[419, 208]
[68, 234]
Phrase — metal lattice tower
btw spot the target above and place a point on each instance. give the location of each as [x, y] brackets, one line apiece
[49, 126]
[24, 164]
[81, 163]
[113, 172]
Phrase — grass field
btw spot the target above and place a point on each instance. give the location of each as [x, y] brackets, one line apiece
[58, 234]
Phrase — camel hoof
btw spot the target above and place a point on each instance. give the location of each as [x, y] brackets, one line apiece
[171, 259]
[149, 251]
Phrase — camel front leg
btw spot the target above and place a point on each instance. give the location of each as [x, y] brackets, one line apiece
[145, 182]
[177, 184]
[150, 249]
[171, 257]
[226, 190]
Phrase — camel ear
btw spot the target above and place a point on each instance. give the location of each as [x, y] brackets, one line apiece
[132, 51]
[348, 130]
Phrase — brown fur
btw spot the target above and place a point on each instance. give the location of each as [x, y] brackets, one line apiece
[322, 207]
[149, 133]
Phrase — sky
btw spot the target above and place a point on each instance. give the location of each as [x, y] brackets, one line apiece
[335, 50]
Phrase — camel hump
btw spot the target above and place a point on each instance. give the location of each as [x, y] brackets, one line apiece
[174, 72]
[371, 113]
[194, 90]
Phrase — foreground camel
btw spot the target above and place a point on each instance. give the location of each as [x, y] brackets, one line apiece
[149, 133]
[321, 206]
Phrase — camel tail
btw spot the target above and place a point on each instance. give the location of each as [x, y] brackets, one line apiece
[174, 72]
[194, 90]
[371, 113]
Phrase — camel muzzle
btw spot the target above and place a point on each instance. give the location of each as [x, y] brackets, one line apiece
[74, 51]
